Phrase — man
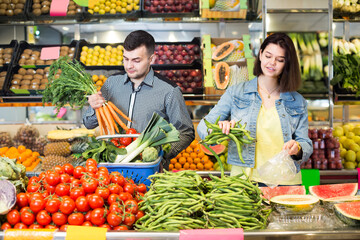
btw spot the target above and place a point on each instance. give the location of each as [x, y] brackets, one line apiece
[140, 92]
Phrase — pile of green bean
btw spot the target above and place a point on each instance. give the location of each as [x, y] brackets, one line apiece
[175, 201]
[234, 202]
[238, 134]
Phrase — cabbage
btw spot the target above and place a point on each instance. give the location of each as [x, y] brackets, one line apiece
[7, 196]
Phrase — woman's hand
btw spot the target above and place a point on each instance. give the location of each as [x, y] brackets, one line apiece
[293, 147]
[96, 100]
[226, 125]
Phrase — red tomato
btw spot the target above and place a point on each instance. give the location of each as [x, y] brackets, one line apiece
[65, 178]
[43, 218]
[76, 192]
[104, 181]
[131, 131]
[35, 226]
[102, 174]
[91, 169]
[121, 228]
[141, 188]
[115, 142]
[129, 219]
[53, 178]
[103, 192]
[89, 185]
[27, 217]
[105, 226]
[95, 201]
[64, 227]
[33, 187]
[67, 206]
[116, 207]
[59, 218]
[131, 206]
[128, 187]
[49, 188]
[121, 146]
[78, 172]
[5, 226]
[91, 161]
[20, 226]
[22, 200]
[59, 169]
[41, 176]
[97, 216]
[25, 209]
[117, 178]
[75, 183]
[50, 227]
[13, 217]
[69, 169]
[87, 223]
[52, 205]
[125, 141]
[88, 216]
[37, 205]
[62, 189]
[76, 219]
[115, 188]
[34, 196]
[33, 179]
[82, 204]
[124, 196]
[45, 194]
[139, 215]
[103, 169]
[113, 198]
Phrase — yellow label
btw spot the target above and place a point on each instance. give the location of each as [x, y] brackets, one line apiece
[29, 234]
[85, 233]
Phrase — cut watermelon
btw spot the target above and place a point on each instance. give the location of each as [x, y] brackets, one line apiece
[348, 212]
[334, 190]
[331, 201]
[218, 149]
[294, 204]
[283, 190]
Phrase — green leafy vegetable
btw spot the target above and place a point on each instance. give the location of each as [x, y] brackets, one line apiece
[102, 151]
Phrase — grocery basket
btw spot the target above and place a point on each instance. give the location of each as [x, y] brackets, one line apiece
[139, 172]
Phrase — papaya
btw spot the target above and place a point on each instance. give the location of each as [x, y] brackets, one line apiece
[221, 75]
[223, 50]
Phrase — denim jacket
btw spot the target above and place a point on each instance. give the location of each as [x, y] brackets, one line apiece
[243, 102]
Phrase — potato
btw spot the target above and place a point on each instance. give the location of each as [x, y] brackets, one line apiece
[2, 79]
[40, 62]
[28, 77]
[25, 81]
[3, 73]
[44, 81]
[45, 9]
[25, 56]
[63, 53]
[15, 82]
[2, 50]
[1, 62]
[42, 86]
[72, 50]
[22, 61]
[30, 71]
[38, 76]
[45, 3]
[64, 48]
[14, 87]
[34, 57]
[49, 62]
[24, 86]
[3, 6]
[18, 76]
[2, 11]
[7, 56]
[30, 62]
[22, 1]
[22, 71]
[71, 12]
[36, 6]
[34, 86]
[40, 71]
[8, 50]
[71, 7]
[35, 81]
[9, 12]
[36, 53]
[28, 51]
[37, 12]
[19, 6]
[17, 11]
[15, 1]
[47, 69]
[35, 1]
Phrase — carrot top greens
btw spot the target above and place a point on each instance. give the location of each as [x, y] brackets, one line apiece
[71, 87]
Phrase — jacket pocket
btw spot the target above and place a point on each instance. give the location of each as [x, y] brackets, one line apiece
[242, 103]
[293, 111]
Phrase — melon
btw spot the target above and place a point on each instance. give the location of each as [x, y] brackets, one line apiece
[218, 149]
[331, 201]
[334, 190]
[221, 75]
[294, 204]
[223, 50]
[283, 190]
[348, 212]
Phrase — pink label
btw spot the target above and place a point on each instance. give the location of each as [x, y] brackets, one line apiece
[358, 170]
[58, 7]
[50, 53]
[212, 234]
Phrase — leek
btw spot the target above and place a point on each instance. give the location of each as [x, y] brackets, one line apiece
[314, 42]
[302, 43]
[158, 132]
[335, 47]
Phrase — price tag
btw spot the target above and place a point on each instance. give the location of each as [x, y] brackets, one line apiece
[310, 177]
[206, 46]
[58, 8]
[250, 62]
[49, 53]
[29, 234]
[247, 49]
[208, 78]
[212, 234]
[85, 233]
[358, 170]
[20, 91]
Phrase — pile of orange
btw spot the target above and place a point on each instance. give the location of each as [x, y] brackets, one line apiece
[22, 155]
[99, 81]
[191, 158]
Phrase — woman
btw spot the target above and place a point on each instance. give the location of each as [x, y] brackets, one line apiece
[275, 114]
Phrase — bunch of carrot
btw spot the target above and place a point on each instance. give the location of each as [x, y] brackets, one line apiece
[107, 118]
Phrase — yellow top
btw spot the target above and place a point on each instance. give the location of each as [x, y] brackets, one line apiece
[269, 142]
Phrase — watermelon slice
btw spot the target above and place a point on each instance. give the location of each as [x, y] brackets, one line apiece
[334, 190]
[294, 204]
[283, 190]
[348, 212]
[331, 201]
[218, 149]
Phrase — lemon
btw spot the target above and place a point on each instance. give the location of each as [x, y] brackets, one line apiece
[83, 53]
[119, 57]
[108, 48]
[102, 50]
[350, 156]
[118, 8]
[123, 10]
[350, 134]
[107, 3]
[83, 59]
[101, 1]
[96, 53]
[112, 11]
[102, 6]
[136, 1]
[97, 48]
[343, 153]
[90, 50]
[136, 8]
[107, 9]
[120, 47]
[118, 3]
[113, 55]
[123, 4]
[114, 50]
[90, 11]
[358, 156]
[129, 1]
[102, 11]
[84, 48]
[129, 8]
[106, 63]
[113, 6]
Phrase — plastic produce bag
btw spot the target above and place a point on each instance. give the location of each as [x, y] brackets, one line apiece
[279, 168]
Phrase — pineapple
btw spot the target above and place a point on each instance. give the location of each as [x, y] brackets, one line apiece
[51, 161]
[39, 145]
[5, 139]
[57, 148]
[79, 146]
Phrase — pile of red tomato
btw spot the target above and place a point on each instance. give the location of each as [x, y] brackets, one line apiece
[124, 142]
[87, 196]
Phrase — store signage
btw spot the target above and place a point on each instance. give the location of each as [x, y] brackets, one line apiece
[58, 7]
[310, 177]
[49, 53]
[212, 234]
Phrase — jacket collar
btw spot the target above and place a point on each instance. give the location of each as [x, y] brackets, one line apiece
[252, 86]
[148, 80]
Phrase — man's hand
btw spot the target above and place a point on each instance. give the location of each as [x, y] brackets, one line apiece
[96, 100]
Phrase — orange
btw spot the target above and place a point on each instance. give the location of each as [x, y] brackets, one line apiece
[179, 155]
[189, 149]
[207, 165]
[171, 166]
[201, 154]
[194, 144]
[21, 149]
[173, 161]
[197, 149]
[211, 169]
[35, 154]
[186, 166]
[200, 166]
[3, 150]
[196, 160]
[185, 154]
[177, 166]
[99, 83]
[95, 78]
[181, 169]
[11, 150]
[190, 160]
[102, 77]
[205, 158]
[193, 155]
[22, 157]
[182, 160]
[192, 166]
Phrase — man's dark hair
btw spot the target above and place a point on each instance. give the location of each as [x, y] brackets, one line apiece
[290, 78]
[138, 38]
